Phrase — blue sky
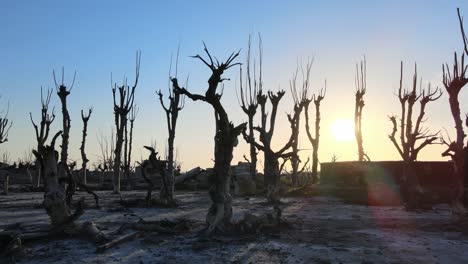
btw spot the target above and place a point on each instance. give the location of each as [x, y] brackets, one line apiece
[96, 38]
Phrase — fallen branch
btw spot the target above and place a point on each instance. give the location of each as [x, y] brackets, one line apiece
[117, 241]
[188, 175]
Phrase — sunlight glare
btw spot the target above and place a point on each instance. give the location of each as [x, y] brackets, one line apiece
[343, 129]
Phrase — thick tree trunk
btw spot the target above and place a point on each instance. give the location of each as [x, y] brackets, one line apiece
[272, 177]
[220, 213]
[295, 164]
[315, 161]
[63, 93]
[357, 126]
[458, 158]
[54, 197]
[118, 152]
[167, 192]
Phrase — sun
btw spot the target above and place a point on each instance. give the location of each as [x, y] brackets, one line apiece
[343, 129]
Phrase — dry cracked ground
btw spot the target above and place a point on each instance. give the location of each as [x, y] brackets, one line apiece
[322, 230]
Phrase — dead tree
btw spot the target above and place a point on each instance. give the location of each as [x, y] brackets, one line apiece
[42, 133]
[107, 147]
[454, 80]
[361, 86]
[154, 165]
[85, 119]
[63, 92]
[122, 106]
[248, 99]
[314, 140]
[54, 197]
[300, 99]
[220, 213]
[5, 125]
[62, 220]
[411, 134]
[128, 143]
[271, 157]
[176, 104]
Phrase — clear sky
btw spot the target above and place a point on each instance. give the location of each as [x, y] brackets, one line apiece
[96, 38]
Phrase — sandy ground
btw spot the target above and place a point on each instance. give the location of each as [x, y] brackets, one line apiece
[323, 230]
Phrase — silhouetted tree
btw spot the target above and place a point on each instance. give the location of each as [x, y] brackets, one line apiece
[454, 81]
[248, 99]
[361, 86]
[122, 106]
[128, 143]
[176, 104]
[271, 157]
[410, 134]
[315, 141]
[151, 166]
[42, 133]
[85, 119]
[5, 125]
[54, 197]
[300, 98]
[63, 92]
[220, 213]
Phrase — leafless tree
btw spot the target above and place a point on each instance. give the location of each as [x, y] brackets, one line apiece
[123, 104]
[54, 197]
[176, 104]
[300, 98]
[154, 165]
[220, 212]
[85, 119]
[361, 86]
[248, 98]
[410, 134]
[315, 140]
[63, 92]
[129, 143]
[5, 125]
[42, 133]
[271, 157]
[454, 80]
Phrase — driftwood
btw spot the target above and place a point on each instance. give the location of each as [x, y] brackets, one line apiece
[117, 241]
[254, 224]
[188, 175]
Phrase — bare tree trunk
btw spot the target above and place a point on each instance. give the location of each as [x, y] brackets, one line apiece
[125, 156]
[62, 92]
[42, 133]
[248, 98]
[410, 133]
[122, 106]
[54, 197]
[129, 157]
[176, 104]
[253, 152]
[85, 160]
[272, 182]
[220, 212]
[295, 145]
[118, 151]
[361, 86]
[167, 193]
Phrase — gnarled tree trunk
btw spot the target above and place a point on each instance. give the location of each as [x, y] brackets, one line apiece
[220, 212]
[54, 197]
